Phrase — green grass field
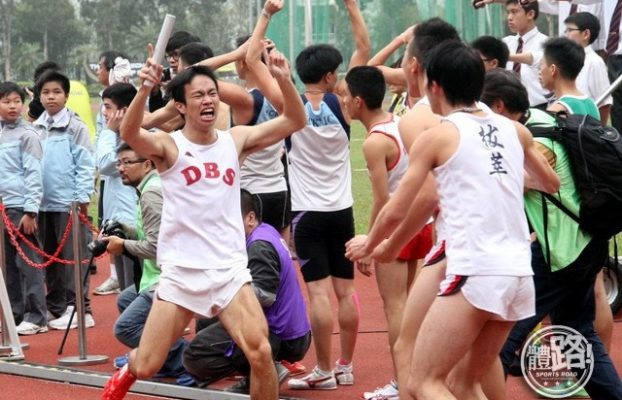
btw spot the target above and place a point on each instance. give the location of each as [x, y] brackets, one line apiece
[361, 187]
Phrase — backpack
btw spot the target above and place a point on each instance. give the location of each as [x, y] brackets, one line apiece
[595, 154]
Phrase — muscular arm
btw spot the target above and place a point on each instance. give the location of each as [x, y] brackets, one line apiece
[362, 44]
[151, 145]
[392, 76]
[265, 83]
[374, 150]
[253, 138]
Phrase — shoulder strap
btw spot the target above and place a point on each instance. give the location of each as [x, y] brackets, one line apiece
[561, 206]
[332, 101]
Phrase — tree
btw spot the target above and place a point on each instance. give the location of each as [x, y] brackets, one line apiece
[7, 8]
[26, 56]
[51, 24]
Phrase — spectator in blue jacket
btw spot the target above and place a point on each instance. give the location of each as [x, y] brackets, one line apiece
[68, 176]
[21, 190]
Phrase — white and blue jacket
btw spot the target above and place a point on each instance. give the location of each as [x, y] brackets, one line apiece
[120, 201]
[20, 166]
[68, 161]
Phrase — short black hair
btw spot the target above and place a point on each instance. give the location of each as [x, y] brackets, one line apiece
[176, 88]
[179, 39]
[585, 21]
[566, 54]
[368, 83]
[429, 34]
[240, 40]
[317, 60]
[194, 52]
[505, 85]
[527, 6]
[248, 203]
[109, 56]
[492, 48]
[45, 66]
[120, 93]
[458, 70]
[6, 88]
[126, 147]
[53, 76]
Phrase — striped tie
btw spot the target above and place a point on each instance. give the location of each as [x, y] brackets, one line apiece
[519, 49]
[614, 29]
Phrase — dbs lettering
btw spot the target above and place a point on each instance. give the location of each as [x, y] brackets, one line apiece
[193, 174]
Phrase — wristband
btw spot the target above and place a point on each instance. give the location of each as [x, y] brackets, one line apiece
[265, 14]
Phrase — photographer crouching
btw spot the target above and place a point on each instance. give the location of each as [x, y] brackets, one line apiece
[142, 242]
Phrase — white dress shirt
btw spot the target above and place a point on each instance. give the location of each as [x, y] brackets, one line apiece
[562, 10]
[529, 74]
[593, 79]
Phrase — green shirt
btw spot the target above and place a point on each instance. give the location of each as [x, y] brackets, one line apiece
[581, 105]
[566, 240]
[151, 270]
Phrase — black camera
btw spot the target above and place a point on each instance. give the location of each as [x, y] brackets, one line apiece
[109, 228]
[166, 75]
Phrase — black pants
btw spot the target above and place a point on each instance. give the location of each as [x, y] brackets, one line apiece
[212, 355]
[614, 65]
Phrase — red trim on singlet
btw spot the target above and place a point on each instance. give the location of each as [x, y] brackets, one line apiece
[399, 153]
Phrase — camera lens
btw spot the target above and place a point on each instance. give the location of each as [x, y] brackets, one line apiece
[97, 247]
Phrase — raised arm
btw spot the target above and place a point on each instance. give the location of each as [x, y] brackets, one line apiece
[148, 144]
[253, 138]
[160, 116]
[392, 76]
[265, 83]
[224, 59]
[362, 44]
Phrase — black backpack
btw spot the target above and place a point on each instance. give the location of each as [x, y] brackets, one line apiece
[595, 154]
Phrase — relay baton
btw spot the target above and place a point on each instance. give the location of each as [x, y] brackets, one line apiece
[165, 34]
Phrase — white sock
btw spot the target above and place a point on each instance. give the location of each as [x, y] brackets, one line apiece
[113, 272]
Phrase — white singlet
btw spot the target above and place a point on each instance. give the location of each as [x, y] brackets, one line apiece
[201, 219]
[481, 198]
[399, 167]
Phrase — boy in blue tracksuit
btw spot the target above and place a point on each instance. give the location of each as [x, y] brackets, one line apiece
[21, 190]
[68, 175]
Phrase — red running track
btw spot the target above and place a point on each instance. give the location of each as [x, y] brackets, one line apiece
[372, 363]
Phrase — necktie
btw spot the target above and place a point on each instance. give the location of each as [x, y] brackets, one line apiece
[614, 29]
[519, 49]
[50, 122]
[573, 9]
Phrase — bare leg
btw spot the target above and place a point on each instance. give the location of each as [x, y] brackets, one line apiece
[451, 328]
[414, 266]
[244, 320]
[348, 316]
[420, 297]
[165, 324]
[603, 323]
[321, 319]
[392, 280]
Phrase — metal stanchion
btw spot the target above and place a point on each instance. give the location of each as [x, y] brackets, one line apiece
[614, 86]
[83, 358]
[11, 349]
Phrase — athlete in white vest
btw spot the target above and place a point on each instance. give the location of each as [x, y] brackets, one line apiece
[477, 159]
[387, 162]
[202, 235]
